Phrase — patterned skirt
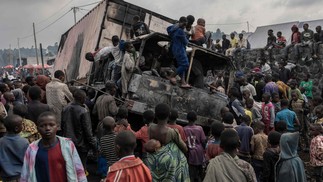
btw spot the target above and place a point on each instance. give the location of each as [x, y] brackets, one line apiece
[168, 164]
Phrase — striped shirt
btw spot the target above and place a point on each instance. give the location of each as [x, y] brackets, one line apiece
[107, 144]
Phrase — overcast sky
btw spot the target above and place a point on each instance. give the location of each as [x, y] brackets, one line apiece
[17, 16]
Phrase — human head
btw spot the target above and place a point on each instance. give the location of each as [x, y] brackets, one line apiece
[319, 111]
[268, 78]
[302, 89]
[233, 92]
[266, 97]
[317, 100]
[182, 22]
[223, 111]
[270, 32]
[125, 143]
[89, 56]
[218, 83]
[17, 84]
[318, 29]
[79, 96]
[110, 87]
[249, 103]
[279, 34]
[4, 88]
[230, 141]
[129, 47]
[246, 94]
[216, 129]
[246, 119]
[224, 37]
[162, 112]
[258, 127]
[191, 117]
[41, 81]
[294, 28]
[284, 103]
[281, 64]
[315, 129]
[274, 138]
[34, 93]
[190, 20]
[148, 116]
[9, 96]
[307, 77]
[13, 124]
[173, 116]
[275, 97]
[305, 26]
[240, 36]
[122, 113]
[25, 89]
[47, 125]
[108, 123]
[59, 74]
[30, 80]
[135, 19]
[232, 35]
[281, 126]
[201, 22]
[228, 118]
[20, 110]
[292, 84]
[115, 40]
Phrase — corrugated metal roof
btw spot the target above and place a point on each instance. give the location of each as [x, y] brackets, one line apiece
[259, 38]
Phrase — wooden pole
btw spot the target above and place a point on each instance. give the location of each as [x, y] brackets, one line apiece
[35, 43]
[191, 63]
[42, 58]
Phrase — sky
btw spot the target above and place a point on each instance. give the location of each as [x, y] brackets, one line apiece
[17, 16]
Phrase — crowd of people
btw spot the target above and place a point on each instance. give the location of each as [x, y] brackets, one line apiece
[47, 128]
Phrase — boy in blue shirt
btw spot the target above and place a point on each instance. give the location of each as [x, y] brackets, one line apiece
[12, 150]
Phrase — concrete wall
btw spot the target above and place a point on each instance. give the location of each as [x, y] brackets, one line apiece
[314, 67]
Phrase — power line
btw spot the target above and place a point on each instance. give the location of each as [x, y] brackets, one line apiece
[55, 12]
[54, 21]
[88, 4]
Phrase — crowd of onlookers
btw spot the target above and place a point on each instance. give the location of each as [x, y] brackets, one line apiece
[48, 129]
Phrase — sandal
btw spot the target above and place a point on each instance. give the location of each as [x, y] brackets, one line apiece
[187, 86]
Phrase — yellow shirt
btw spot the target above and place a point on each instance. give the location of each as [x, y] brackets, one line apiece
[248, 113]
[234, 42]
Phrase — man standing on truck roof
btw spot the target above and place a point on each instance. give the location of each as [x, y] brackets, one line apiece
[178, 47]
[138, 27]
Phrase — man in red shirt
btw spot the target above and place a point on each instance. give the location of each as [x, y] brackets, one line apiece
[295, 39]
[281, 41]
[128, 168]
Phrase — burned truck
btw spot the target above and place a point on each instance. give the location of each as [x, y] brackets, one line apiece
[149, 86]
[152, 87]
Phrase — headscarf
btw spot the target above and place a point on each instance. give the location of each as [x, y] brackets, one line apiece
[41, 81]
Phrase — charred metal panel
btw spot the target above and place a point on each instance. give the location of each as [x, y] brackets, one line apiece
[153, 90]
[80, 39]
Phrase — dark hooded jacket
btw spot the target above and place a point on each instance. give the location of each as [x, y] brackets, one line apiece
[271, 157]
[289, 166]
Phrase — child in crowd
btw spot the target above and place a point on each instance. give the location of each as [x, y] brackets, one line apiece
[213, 148]
[10, 98]
[268, 113]
[245, 133]
[172, 124]
[52, 158]
[316, 152]
[288, 116]
[199, 32]
[281, 127]
[255, 114]
[142, 134]
[293, 87]
[258, 147]
[122, 120]
[302, 89]
[195, 142]
[128, 168]
[289, 167]
[271, 156]
[228, 120]
[107, 145]
[138, 27]
[12, 150]
[276, 102]
[128, 66]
